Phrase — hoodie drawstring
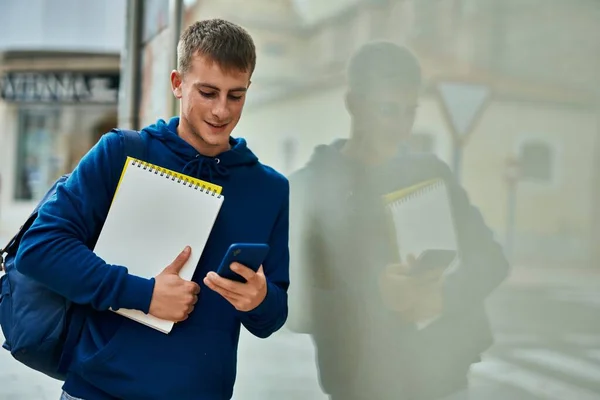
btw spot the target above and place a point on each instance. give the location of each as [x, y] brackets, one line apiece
[201, 167]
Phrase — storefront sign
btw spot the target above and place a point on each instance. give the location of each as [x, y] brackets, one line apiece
[61, 87]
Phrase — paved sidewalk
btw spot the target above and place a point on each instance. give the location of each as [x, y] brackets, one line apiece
[280, 367]
[17, 382]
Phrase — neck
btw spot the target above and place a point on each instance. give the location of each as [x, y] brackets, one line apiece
[196, 141]
[362, 148]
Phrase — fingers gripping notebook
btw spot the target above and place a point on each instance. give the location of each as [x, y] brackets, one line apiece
[421, 219]
[154, 214]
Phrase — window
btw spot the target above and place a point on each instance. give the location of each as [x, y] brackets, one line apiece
[51, 141]
[536, 161]
[37, 166]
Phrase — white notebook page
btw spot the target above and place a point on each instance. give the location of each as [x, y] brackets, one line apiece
[423, 220]
[151, 220]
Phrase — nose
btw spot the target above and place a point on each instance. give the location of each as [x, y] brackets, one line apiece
[221, 109]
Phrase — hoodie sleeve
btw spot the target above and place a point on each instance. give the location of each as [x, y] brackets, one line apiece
[483, 265]
[272, 313]
[56, 249]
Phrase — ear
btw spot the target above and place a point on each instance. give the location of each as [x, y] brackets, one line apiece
[176, 81]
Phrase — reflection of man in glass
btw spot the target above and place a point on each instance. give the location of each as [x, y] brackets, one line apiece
[348, 291]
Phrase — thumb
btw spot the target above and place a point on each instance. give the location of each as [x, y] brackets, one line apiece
[178, 263]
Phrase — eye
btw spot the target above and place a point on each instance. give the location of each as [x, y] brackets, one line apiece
[235, 98]
[207, 94]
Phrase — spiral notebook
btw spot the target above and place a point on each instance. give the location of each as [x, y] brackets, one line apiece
[154, 214]
[421, 218]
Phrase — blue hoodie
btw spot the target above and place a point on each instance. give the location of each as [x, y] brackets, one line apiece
[117, 358]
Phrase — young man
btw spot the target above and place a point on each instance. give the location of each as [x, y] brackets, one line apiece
[360, 308]
[117, 358]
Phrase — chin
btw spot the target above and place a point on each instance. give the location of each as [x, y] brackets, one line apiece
[211, 140]
[215, 139]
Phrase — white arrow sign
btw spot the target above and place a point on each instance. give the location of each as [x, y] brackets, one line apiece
[463, 103]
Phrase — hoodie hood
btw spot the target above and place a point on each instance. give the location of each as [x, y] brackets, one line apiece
[196, 164]
[330, 155]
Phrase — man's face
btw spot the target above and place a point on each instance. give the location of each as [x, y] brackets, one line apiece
[211, 100]
[386, 113]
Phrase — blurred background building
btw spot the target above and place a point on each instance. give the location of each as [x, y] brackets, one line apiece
[503, 96]
[59, 81]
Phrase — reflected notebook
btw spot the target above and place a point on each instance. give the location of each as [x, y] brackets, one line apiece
[154, 214]
[421, 219]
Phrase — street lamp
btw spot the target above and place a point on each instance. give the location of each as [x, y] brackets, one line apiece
[512, 175]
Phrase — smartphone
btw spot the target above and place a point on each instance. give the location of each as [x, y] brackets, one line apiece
[252, 255]
[433, 259]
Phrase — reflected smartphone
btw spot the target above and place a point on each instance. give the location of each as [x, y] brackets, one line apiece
[252, 255]
[433, 259]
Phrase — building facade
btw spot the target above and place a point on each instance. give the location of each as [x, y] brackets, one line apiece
[59, 90]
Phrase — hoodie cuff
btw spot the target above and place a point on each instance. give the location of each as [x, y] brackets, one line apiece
[268, 304]
[136, 294]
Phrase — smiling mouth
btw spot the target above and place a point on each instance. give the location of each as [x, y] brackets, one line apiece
[215, 125]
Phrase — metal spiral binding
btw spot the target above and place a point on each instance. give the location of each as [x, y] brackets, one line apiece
[174, 177]
[418, 192]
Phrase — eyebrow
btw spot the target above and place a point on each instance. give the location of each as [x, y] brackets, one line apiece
[209, 86]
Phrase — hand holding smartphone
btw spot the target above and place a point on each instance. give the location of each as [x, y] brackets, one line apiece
[251, 255]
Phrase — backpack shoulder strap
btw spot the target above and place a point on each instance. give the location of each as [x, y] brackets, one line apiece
[135, 145]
